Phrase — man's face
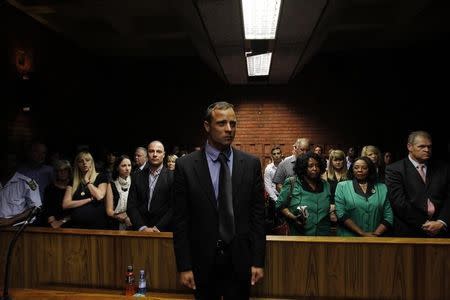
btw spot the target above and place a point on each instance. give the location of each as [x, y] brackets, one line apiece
[222, 128]
[420, 149]
[156, 153]
[318, 150]
[276, 155]
[38, 153]
[300, 149]
[140, 157]
[351, 152]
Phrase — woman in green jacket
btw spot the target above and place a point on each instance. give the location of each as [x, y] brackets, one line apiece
[362, 205]
[309, 193]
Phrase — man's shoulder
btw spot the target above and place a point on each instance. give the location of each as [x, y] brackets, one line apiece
[47, 169]
[241, 155]
[269, 167]
[31, 183]
[196, 155]
[398, 165]
[288, 160]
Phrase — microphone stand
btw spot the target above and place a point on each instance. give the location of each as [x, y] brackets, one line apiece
[10, 249]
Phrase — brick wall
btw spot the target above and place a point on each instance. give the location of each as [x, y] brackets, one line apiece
[265, 123]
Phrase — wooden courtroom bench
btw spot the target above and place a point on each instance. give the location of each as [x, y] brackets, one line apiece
[296, 267]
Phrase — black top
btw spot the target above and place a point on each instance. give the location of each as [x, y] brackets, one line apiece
[93, 214]
[52, 204]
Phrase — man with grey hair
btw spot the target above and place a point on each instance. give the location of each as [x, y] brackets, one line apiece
[140, 160]
[286, 167]
[419, 190]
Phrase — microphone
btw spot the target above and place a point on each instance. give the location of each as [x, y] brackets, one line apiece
[30, 218]
[34, 213]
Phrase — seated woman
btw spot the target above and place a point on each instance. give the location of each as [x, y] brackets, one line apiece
[117, 193]
[309, 194]
[362, 206]
[85, 194]
[52, 210]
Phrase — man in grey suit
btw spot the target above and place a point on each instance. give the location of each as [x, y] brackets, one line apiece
[219, 253]
[419, 190]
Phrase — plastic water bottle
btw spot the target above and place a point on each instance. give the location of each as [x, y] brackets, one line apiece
[130, 287]
[142, 287]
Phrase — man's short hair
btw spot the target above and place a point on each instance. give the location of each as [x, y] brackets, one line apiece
[222, 105]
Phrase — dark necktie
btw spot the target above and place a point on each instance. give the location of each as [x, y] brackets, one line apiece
[225, 199]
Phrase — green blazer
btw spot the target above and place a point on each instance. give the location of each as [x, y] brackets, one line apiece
[367, 211]
[318, 206]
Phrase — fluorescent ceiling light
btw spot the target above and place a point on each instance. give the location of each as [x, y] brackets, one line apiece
[260, 18]
[258, 65]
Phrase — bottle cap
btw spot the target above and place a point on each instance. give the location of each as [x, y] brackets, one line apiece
[142, 272]
[130, 268]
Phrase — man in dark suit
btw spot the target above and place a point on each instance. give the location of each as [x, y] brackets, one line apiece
[149, 204]
[419, 190]
[215, 257]
[140, 160]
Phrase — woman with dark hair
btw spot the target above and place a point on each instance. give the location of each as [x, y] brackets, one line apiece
[362, 206]
[117, 193]
[306, 205]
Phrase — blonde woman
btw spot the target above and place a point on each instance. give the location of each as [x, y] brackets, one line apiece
[84, 196]
[117, 193]
[374, 154]
[337, 172]
[171, 162]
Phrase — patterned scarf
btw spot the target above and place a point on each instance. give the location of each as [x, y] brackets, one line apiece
[123, 187]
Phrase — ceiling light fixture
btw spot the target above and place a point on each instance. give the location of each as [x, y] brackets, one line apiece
[260, 18]
[258, 65]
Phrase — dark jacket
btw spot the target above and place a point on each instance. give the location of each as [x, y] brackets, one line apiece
[161, 208]
[408, 195]
[196, 217]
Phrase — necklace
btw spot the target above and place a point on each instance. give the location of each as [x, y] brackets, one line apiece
[363, 186]
[83, 189]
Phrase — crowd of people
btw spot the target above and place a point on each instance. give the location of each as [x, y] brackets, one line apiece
[213, 198]
[369, 195]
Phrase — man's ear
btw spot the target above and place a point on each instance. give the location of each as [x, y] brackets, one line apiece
[409, 146]
[206, 125]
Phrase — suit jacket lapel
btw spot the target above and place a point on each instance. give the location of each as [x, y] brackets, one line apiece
[146, 180]
[202, 171]
[429, 175]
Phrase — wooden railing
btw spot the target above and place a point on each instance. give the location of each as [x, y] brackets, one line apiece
[296, 267]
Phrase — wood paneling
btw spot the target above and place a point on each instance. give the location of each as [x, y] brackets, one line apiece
[27, 294]
[296, 267]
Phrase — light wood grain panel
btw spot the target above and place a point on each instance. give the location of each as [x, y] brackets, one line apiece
[296, 267]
